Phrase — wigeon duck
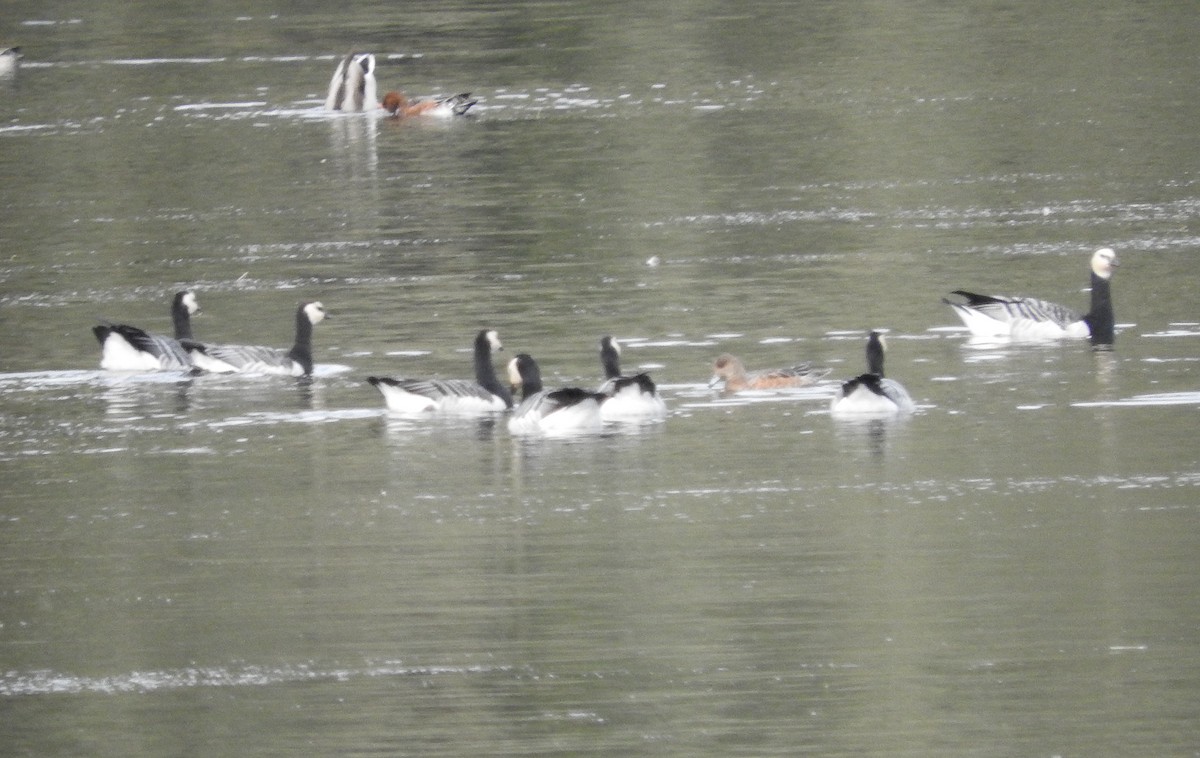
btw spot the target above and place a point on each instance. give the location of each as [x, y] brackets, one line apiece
[128, 348]
[483, 396]
[10, 60]
[566, 411]
[396, 104]
[253, 359]
[1024, 319]
[870, 394]
[627, 398]
[352, 87]
[729, 369]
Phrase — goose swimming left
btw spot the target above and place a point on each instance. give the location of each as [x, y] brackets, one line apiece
[128, 348]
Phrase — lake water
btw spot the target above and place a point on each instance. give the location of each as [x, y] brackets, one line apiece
[260, 566]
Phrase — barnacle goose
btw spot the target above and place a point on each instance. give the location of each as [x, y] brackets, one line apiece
[253, 359]
[1024, 319]
[128, 348]
[352, 87]
[455, 396]
[566, 411]
[871, 393]
[627, 398]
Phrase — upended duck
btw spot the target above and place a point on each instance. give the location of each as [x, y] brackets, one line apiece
[565, 411]
[627, 398]
[871, 393]
[254, 359]
[1024, 319]
[483, 396]
[128, 348]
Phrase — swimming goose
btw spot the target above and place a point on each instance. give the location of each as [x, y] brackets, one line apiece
[457, 396]
[871, 393]
[352, 87]
[399, 106]
[1025, 319]
[10, 60]
[128, 348]
[627, 398]
[729, 369]
[570, 410]
[253, 359]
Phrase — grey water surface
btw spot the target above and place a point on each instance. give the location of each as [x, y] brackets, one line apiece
[251, 566]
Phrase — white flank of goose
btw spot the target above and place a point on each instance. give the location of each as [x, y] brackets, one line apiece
[627, 398]
[128, 348]
[871, 394]
[1024, 319]
[352, 87]
[10, 60]
[253, 359]
[566, 411]
[483, 396]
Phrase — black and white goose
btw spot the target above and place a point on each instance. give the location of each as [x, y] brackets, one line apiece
[1024, 319]
[352, 87]
[253, 359]
[627, 398]
[871, 394]
[483, 396]
[566, 411]
[128, 348]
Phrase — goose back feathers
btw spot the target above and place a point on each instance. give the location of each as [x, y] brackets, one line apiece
[485, 395]
[128, 348]
[255, 359]
[1026, 319]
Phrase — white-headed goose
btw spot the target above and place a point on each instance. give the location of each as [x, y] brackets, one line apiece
[627, 398]
[566, 411]
[128, 348]
[483, 396]
[253, 359]
[1024, 319]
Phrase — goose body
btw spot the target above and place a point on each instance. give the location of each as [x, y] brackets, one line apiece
[871, 394]
[483, 396]
[560, 412]
[10, 60]
[352, 87]
[627, 398]
[254, 359]
[1025, 319]
[729, 369]
[399, 106]
[128, 348]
